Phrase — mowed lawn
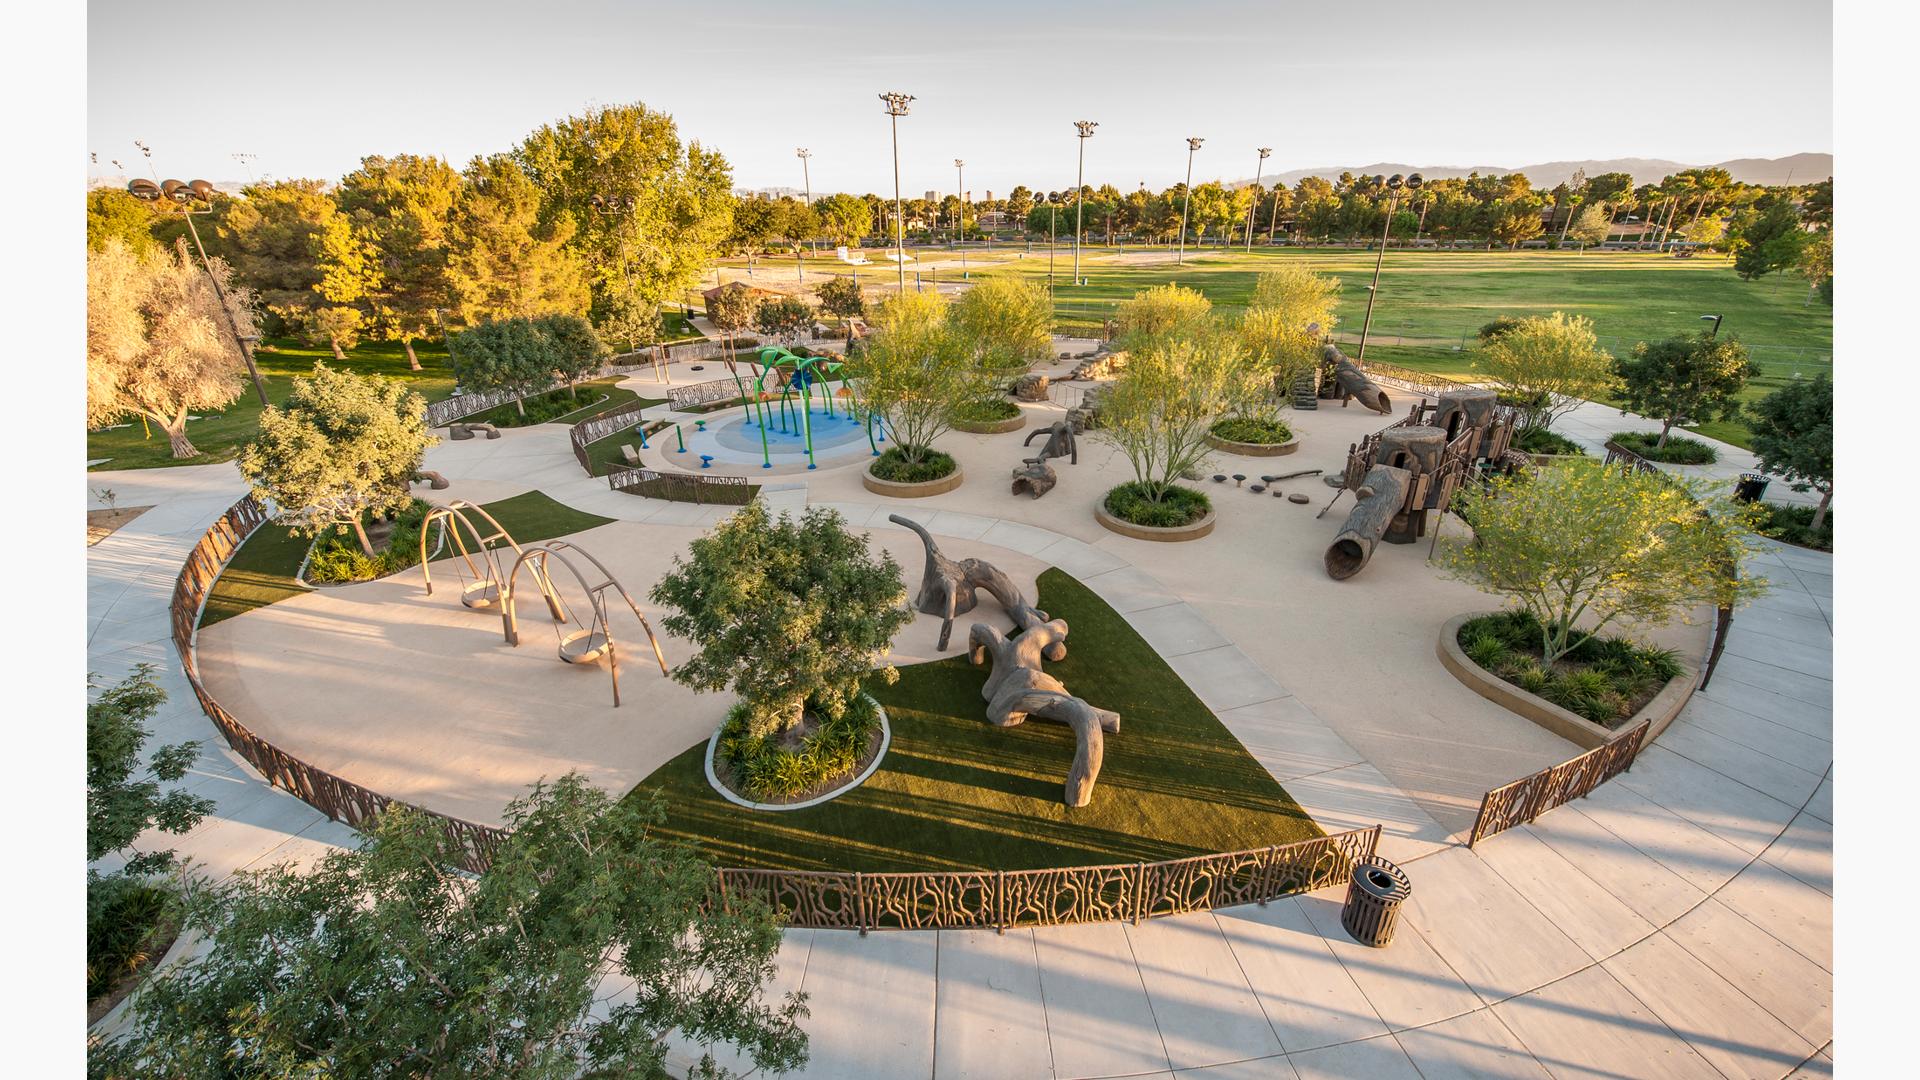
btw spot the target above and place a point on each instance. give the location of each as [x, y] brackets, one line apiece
[219, 435]
[954, 792]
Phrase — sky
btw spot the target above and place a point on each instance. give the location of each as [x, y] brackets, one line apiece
[310, 89]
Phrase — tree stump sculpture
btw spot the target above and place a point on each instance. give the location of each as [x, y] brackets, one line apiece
[1383, 498]
[1017, 688]
[1035, 475]
[1060, 442]
[949, 589]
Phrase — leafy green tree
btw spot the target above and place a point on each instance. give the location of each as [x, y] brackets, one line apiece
[505, 260]
[1008, 322]
[576, 349]
[126, 788]
[625, 317]
[915, 370]
[342, 447]
[1592, 225]
[1816, 265]
[789, 614]
[403, 206]
[1707, 230]
[377, 962]
[732, 310]
[1685, 380]
[272, 238]
[1162, 312]
[336, 326]
[1516, 221]
[1167, 397]
[158, 343]
[1583, 546]
[1549, 363]
[1793, 436]
[783, 317]
[113, 214]
[1291, 312]
[840, 297]
[504, 354]
[349, 278]
[843, 218]
[1019, 202]
[679, 198]
[1772, 240]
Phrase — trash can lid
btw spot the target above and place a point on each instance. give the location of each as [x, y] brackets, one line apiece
[1381, 879]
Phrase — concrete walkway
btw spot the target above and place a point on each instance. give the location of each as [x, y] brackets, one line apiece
[1677, 922]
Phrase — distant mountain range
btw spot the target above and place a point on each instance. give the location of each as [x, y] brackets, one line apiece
[1798, 168]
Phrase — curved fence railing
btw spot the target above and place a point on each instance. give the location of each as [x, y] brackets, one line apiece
[1530, 796]
[821, 900]
[592, 430]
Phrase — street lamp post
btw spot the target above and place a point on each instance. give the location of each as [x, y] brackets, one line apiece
[1258, 169]
[1053, 221]
[806, 181]
[1079, 187]
[1394, 184]
[960, 214]
[896, 103]
[182, 194]
[1186, 200]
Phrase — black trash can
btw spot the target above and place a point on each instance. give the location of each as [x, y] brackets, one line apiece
[1374, 897]
[1750, 488]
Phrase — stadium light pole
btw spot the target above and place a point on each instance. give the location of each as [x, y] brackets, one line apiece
[960, 214]
[1079, 188]
[1715, 319]
[1193, 144]
[1394, 184]
[896, 103]
[1258, 170]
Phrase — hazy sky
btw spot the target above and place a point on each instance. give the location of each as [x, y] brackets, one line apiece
[310, 88]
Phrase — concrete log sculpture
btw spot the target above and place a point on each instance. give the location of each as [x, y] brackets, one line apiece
[432, 479]
[1351, 384]
[1017, 688]
[1383, 498]
[1034, 476]
[950, 589]
[1060, 442]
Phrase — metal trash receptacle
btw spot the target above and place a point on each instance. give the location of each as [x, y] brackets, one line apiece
[1374, 896]
[1750, 487]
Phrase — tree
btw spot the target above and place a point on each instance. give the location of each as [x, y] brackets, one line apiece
[783, 317]
[1019, 202]
[344, 446]
[505, 354]
[158, 343]
[628, 318]
[127, 791]
[349, 277]
[1162, 312]
[337, 327]
[679, 199]
[1009, 324]
[1550, 364]
[576, 350]
[1772, 240]
[790, 614]
[403, 206]
[1290, 314]
[840, 297]
[1167, 396]
[1793, 437]
[1592, 225]
[272, 237]
[1706, 230]
[915, 370]
[504, 259]
[1685, 380]
[843, 218]
[1582, 546]
[732, 310]
[378, 962]
[113, 214]
[1816, 265]
[1516, 221]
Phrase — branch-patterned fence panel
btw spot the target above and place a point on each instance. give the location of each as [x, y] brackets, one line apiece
[1528, 797]
[719, 488]
[341, 800]
[1419, 382]
[1004, 898]
[590, 431]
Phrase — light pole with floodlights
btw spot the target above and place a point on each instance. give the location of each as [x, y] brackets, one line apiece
[1258, 169]
[1394, 184]
[1186, 199]
[960, 223]
[1079, 190]
[1715, 332]
[896, 103]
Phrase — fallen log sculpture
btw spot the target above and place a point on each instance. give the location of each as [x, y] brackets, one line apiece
[1034, 475]
[1351, 384]
[950, 589]
[432, 479]
[1017, 688]
[1383, 498]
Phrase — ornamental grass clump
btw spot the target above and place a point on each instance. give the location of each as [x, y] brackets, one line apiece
[1581, 546]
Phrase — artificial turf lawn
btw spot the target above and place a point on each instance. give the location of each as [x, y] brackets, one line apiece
[263, 571]
[954, 792]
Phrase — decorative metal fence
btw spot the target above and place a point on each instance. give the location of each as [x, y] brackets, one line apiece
[341, 800]
[1527, 798]
[1003, 898]
[719, 488]
[587, 432]
[1419, 382]
[444, 412]
[702, 393]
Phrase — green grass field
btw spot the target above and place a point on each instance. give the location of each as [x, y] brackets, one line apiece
[954, 792]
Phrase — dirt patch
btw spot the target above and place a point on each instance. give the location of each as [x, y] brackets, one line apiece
[104, 523]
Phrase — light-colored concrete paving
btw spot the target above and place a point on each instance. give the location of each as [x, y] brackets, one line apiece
[1678, 922]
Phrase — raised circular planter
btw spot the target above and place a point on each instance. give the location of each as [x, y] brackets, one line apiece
[912, 491]
[1154, 532]
[1251, 449]
[1571, 726]
[727, 793]
[991, 427]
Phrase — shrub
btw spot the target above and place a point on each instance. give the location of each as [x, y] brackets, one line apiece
[1679, 450]
[1543, 441]
[1603, 679]
[129, 922]
[986, 410]
[764, 769]
[1252, 429]
[1794, 525]
[893, 465]
[337, 559]
[1176, 506]
[1549, 364]
[1498, 328]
